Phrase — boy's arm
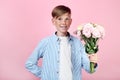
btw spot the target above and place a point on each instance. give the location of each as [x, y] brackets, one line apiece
[32, 62]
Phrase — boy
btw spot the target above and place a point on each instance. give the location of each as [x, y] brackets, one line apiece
[63, 55]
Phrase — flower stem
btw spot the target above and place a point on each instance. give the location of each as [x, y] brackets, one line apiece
[92, 67]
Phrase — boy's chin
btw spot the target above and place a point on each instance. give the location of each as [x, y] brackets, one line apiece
[64, 31]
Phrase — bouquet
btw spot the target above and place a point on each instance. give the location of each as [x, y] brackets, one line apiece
[90, 33]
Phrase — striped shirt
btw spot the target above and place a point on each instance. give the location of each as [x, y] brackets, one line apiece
[49, 49]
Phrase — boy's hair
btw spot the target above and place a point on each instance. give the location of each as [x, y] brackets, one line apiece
[60, 10]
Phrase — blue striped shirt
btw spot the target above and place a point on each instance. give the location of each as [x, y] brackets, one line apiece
[48, 50]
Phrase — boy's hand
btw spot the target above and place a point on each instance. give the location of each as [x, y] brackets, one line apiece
[92, 58]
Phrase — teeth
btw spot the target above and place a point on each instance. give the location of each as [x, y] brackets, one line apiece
[63, 26]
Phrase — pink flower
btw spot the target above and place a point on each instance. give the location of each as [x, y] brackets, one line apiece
[78, 33]
[87, 30]
[96, 33]
[90, 30]
[101, 30]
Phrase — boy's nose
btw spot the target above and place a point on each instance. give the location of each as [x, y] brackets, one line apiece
[63, 22]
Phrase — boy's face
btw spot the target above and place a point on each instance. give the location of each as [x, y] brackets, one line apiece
[62, 23]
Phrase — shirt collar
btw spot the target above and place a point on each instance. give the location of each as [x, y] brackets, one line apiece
[57, 38]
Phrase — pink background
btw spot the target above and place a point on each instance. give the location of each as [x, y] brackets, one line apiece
[23, 23]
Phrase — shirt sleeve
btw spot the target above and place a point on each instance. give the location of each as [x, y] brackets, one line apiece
[85, 60]
[32, 62]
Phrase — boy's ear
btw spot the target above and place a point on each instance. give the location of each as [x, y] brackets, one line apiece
[71, 20]
[53, 20]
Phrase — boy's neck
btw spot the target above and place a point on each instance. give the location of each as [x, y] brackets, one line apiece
[62, 35]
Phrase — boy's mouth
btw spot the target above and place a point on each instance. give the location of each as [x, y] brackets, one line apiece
[63, 27]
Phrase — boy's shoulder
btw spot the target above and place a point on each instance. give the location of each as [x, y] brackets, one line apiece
[48, 38]
[74, 38]
[45, 38]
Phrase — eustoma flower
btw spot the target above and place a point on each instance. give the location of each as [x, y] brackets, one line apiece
[87, 30]
[90, 33]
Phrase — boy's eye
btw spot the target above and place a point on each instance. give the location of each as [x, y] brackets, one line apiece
[59, 18]
[67, 18]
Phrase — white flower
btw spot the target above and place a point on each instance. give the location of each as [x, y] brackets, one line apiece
[80, 27]
[78, 33]
[87, 29]
[91, 29]
[96, 33]
[101, 30]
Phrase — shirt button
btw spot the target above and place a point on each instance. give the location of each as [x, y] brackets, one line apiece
[57, 72]
[58, 52]
[58, 61]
